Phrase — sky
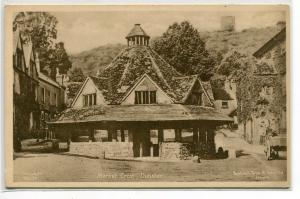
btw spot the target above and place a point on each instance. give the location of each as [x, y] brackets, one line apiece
[84, 30]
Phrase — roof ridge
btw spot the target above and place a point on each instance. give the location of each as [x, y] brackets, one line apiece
[183, 77]
[157, 69]
[163, 60]
[126, 70]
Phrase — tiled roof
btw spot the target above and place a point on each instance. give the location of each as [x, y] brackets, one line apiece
[166, 112]
[263, 68]
[279, 37]
[119, 77]
[72, 90]
[48, 79]
[182, 86]
[130, 65]
[221, 94]
[137, 30]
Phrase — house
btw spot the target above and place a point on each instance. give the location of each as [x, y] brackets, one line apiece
[269, 76]
[140, 106]
[25, 87]
[51, 99]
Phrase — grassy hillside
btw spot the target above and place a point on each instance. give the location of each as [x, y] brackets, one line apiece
[92, 60]
[245, 42]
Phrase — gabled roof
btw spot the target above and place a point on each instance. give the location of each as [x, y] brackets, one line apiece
[221, 94]
[16, 40]
[133, 63]
[183, 86]
[138, 83]
[48, 80]
[137, 30]
[130, 65]
[279, 37]
[28, 53]
[100, 83]
[165, 112]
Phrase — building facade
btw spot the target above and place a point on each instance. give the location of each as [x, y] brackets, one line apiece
[37, 98]
[25, 90]
[51, 99]
[271, 104]
[140, 106]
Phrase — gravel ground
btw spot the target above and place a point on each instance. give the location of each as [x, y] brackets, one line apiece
[48, 167]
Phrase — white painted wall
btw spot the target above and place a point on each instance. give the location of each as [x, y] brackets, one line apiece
[232, 105]
[89, 88]
[147, 85]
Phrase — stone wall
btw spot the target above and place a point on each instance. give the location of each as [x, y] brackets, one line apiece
[173, 151]
[102, 149]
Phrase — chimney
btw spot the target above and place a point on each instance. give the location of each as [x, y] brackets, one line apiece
[37, 63]
[230, 87]
[57, 71]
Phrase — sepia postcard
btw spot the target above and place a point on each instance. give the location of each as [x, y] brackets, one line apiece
[147, 96]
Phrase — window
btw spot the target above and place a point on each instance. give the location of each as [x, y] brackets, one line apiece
[90, 99]
[187, 135]
[152, 97]
[101, 135]
[55, 99]
[145, 97]
[269, 90]
[154, 136]
[169, 135]
[224, 104]
[47, 97]
[196, 98]
[43, 95]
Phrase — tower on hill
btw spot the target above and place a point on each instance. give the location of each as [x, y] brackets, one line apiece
[228, 23]
[137, 36]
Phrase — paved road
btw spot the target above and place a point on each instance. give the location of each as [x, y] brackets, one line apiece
[66, 168]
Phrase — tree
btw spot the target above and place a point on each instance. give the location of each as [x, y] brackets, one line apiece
[182, 47]
[40, 29]
[76, 75]
[231, 64]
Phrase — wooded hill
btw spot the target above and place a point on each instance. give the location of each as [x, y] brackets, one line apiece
[217, 42]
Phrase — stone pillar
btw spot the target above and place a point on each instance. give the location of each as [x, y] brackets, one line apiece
[195, 135]
[135, 40]
[178, 135]
[196, 140]
[151, 151]
[91, 135]
[160, 135]
[109, 135]
[122, 136]
[141, 149]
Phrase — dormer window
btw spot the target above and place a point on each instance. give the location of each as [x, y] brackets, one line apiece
[90, 99]
[145, 97]
[196, 99]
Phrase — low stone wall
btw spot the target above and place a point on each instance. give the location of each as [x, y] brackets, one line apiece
[102, 149]
[174, 151]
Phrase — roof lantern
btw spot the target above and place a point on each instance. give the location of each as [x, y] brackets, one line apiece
[137, 36]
